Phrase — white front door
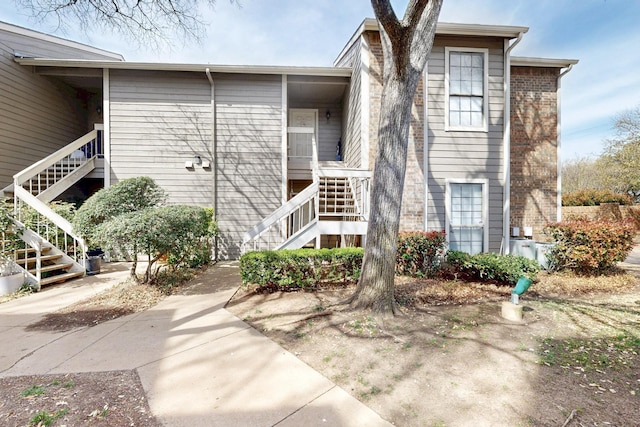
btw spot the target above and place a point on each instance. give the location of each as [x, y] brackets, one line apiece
[302, 132]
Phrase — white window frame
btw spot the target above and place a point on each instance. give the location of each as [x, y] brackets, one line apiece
[485, 207]
[485, 102]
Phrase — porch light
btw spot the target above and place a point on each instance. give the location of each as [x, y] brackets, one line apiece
[197, 160]
[328, 115]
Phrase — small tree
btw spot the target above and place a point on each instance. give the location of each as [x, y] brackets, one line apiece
[157, 232]
[129, 195]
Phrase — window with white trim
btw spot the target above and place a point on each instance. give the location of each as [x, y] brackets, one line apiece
[466, 88]
[466, 216]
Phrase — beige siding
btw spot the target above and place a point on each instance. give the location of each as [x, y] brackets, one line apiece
[352, 104]
[466, 155]
[37, 114]
[159, 121]
[249, 147]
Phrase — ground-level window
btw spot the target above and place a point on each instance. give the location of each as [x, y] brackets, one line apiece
[466, 216]
[466, 87]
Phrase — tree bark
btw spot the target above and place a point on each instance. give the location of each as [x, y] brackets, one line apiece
[406, 45]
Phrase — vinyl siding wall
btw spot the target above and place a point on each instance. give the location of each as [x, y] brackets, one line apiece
[37, 114]
[249, 144]
[465, 155]
[159, 120]
[351, 110]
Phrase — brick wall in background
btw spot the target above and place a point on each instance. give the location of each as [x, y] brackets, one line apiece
[534, 137]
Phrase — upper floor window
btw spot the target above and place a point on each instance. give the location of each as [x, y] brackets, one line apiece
[466, 88]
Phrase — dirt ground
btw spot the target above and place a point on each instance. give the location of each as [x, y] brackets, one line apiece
[449, 360]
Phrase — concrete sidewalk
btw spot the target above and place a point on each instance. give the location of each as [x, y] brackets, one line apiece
[199, 364]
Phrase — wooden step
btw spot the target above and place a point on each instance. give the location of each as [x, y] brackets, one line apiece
[52, 267]
[42, 259]
[61, 278]
[30, 251]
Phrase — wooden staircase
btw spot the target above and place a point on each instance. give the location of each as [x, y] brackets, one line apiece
[52, 252]
[53, 268]
[335, 204]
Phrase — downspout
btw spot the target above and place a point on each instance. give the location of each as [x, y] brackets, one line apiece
[558, 144]
[214, 156]
[506, 141]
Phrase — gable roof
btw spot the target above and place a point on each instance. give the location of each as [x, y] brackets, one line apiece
[36, 35]
[444, 28]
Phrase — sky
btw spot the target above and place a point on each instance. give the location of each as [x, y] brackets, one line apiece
[602, 34]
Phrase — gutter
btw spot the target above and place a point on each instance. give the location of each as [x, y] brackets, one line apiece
[558, 143]
[214, 155]
[506, 137]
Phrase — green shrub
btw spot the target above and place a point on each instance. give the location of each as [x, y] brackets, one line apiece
[301, 268]
[129, 195]
[174, 232]
[590, 247]
[592, 197]
[506, 269]
[419, 253]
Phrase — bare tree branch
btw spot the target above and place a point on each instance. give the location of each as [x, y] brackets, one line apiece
[145, 22]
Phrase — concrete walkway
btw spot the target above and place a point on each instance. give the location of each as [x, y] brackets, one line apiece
[199, 364]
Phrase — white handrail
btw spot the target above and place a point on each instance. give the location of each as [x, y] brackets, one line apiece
[33, 170]
[282, 212]
[47, 212]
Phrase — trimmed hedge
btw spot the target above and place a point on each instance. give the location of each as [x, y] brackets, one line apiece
[590, 247]
[301, 268]
[505, 269]
[419, 253]
[593, 197]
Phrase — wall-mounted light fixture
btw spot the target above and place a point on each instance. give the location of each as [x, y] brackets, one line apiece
[99, 109]
[197, 160]
[328, 115]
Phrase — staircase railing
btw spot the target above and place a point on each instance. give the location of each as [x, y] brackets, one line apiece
[49, 227]
[40, 183]
[356, 186]
[29, 243]
[43, 179]
[284, 222]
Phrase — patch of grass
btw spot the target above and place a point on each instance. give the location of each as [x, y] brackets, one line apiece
[373, 390]
[44, 418]
[590, 354]
[68, 384]
[35, 390]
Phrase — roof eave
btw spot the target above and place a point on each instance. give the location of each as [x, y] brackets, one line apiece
[523, 61]
[477, 30]
[157, 66]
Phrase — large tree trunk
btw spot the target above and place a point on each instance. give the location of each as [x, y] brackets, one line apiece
[406, 45]
[376, 286]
